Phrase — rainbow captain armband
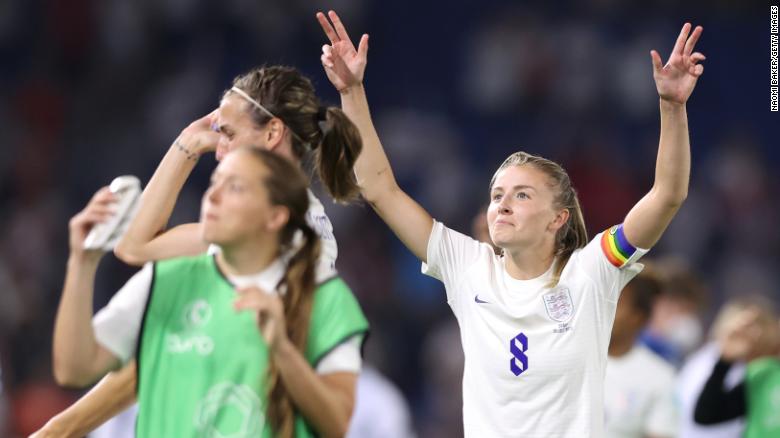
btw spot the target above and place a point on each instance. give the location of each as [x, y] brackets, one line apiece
[616, 246]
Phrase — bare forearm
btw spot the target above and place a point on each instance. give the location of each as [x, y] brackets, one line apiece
[408, 220]
[156, 204]
[111, 396]
[74, 339]
[372, 169]
[327, 408]
[650, 217]
[673, 165]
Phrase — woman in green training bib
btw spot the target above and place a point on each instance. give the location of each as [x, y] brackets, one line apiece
[204, 368]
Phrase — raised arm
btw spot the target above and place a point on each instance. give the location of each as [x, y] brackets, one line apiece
[111, 396]
[78, 358]
[345, 66]
[141, 243]
[647, 221]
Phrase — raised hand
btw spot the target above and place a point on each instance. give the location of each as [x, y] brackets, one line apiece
[741, 337]
[675, 80]
[343, 64]
[98, 210]
[200, 136]
[269, 312]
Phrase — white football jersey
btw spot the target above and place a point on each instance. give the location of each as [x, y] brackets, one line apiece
[639, 396]
[534, 356]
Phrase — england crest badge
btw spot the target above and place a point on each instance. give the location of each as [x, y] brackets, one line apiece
[559, 304]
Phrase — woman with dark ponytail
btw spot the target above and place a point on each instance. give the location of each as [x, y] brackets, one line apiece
[535, 319]
[272, 108]
[241, 343]
[282, 101]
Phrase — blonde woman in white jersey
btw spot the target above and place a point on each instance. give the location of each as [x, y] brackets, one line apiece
[273, 108]
[535, 321]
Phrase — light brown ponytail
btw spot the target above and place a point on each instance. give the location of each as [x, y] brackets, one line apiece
[287, 186]
[341, 145]
[298, 298]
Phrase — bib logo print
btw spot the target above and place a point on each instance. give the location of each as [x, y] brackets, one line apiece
[229, 411]
[195, 316]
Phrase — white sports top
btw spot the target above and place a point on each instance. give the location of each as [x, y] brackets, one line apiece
[534, 356]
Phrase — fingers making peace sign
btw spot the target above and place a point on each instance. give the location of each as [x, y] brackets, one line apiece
[343, 64]
[675, 80]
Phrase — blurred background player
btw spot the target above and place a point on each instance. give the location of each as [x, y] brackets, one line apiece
[675, 328]
[639, 384]
[381, 410]
[752, 337]
[699, 365]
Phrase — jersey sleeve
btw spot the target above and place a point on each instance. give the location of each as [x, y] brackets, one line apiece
[449, 255]
[336, 317]
[118, 324]
[345, 357]
[611, 261]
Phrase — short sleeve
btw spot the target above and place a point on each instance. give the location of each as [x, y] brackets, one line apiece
[449, 255]
[611, 261]
[336, 317]
[118, 324]
[663, 415]
[345, 358]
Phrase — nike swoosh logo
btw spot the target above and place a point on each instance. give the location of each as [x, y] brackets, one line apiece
[477, 300]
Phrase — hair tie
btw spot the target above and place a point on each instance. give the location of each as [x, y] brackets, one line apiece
[322, 114]
[322, 122]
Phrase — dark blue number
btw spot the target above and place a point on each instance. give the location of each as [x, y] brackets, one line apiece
[518, 345]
